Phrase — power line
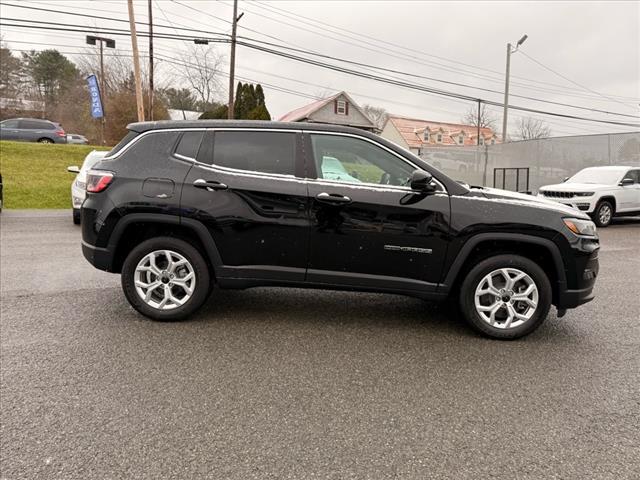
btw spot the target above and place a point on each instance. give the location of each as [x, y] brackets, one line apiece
[569, 80]
[292, 16]
[363, 65]
[417, 87]
[360, 64]
[280, 88]
[574, 94]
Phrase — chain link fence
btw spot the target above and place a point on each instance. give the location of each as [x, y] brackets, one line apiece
[530, 164]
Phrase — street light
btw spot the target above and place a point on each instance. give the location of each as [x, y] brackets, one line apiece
[510, 50]
[110, 43]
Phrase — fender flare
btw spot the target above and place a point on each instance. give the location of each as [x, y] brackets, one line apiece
[194, 225]
[470, 244]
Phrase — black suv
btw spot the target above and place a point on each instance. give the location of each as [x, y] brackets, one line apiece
[177, 207]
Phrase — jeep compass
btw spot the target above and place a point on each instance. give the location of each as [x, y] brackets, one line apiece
[178, 207]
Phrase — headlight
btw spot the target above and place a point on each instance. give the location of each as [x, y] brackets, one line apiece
[583, 194]
[580, 227]
[80, 185]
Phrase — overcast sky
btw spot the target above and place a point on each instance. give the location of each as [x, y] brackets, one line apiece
[594, 44]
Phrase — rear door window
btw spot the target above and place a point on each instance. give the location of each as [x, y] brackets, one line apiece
[122, 143]
[151, 146]
[189, 144]
[263, 152]
[9, 124]
[36, 125]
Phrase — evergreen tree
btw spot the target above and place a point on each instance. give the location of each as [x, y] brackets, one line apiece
[218, 113]
[250, 101]
[259, 95]
[238, 106]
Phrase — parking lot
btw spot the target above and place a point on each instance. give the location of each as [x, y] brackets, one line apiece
[288, 383]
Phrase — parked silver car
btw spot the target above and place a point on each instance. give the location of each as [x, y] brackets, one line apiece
[78, 139]
[32, 130]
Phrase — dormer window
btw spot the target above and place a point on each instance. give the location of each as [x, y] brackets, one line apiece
[426, 136]
[493, 141]
[480, 141]
[439, 138]
[461, 139]
[341, 107]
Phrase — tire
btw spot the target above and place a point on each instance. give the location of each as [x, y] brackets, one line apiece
[76, 216]
[476, 280]
[179, 249]
[603, 214]
[45, 140]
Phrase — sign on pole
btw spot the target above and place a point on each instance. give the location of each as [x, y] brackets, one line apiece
[94, 93]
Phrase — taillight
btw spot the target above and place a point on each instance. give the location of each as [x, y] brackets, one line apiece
[98, 180]
[61, 133]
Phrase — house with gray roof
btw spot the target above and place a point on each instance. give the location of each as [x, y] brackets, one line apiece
[338, 109]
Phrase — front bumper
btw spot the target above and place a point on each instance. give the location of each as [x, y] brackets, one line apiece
[583, 204]
[572, 298]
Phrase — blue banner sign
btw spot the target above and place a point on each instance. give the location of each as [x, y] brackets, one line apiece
[94, 93]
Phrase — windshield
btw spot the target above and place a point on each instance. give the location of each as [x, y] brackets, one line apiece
[606, 176]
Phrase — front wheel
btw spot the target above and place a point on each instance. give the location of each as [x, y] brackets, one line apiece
[76, 216]
[603, 214]
[506, 296]
[45, 140]
[165, 279]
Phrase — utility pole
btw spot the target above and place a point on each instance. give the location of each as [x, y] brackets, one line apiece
[136, 62]
[91, 40]
[232, 66]
[505, 111]
[479, 105]
[150, 61]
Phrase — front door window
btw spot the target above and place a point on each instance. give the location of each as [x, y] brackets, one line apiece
[353, 160]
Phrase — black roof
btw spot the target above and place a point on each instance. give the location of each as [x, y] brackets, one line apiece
[266, 124]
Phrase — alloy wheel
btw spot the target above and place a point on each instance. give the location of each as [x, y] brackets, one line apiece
[164, 279]
[604, 214]
[506, 298]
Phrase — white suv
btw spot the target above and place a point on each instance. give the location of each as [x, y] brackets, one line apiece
[78, 186]
[602, 192]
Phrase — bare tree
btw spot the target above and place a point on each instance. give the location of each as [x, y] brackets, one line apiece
[378, 115]
[202, 73]
[487, 118]
[529, 128]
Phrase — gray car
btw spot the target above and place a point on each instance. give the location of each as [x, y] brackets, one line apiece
[32, 130]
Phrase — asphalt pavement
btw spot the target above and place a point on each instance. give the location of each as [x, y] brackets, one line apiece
[297, 384]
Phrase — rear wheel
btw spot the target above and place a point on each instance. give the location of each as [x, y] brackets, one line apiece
[45, 140]
[603, 214]
[506, 296]
[165, 279]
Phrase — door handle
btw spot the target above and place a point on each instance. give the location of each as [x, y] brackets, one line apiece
[333, 198]
[210, 186]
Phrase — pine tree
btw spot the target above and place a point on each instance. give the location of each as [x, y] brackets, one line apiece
[259, 95]
[251, 102]
[238, 107]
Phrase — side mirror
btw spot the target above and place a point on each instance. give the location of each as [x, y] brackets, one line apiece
[73, 169]
[626, 182]
[422, 181]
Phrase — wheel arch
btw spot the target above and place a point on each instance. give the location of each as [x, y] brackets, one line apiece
[608, 198]
[135, 228]
[542, 250]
